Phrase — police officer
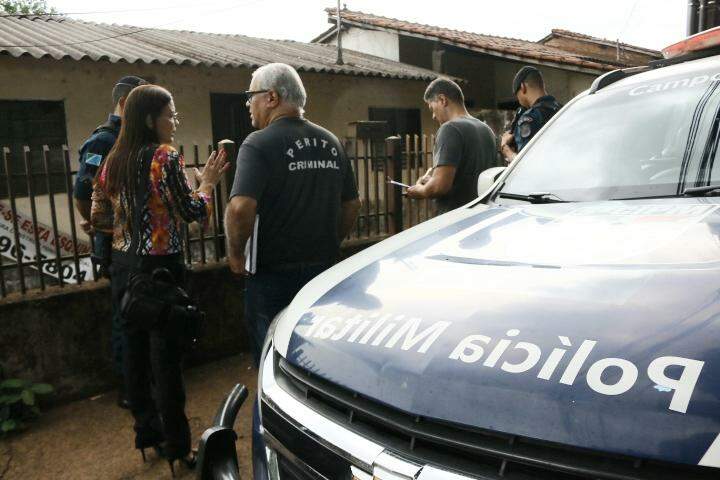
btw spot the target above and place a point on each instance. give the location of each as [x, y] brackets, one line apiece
[537, 107]
[92, 153]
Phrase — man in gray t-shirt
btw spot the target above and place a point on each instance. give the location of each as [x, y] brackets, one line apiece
[464, 147]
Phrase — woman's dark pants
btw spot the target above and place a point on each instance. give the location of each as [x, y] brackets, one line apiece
[152, 364]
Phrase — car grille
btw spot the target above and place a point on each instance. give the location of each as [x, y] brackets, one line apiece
[470, 451]
[321, 463]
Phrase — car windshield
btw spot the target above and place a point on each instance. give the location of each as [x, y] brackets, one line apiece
[649, 136]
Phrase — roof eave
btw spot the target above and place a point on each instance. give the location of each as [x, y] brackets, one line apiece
[326, 35]
[600, 41]
[593, 70]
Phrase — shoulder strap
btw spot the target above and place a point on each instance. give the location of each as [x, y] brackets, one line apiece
[107, 127]
[141, 190]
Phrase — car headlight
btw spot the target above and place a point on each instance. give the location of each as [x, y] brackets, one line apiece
[267, 349]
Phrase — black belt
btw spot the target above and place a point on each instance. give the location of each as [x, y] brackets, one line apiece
[130, 260]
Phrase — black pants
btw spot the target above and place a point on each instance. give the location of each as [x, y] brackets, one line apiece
[117, 338]
[153, 358]
[268, 292]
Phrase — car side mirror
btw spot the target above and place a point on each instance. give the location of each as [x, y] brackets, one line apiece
[487, 179]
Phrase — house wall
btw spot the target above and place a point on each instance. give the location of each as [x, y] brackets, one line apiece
[372, 42]
[85, 87]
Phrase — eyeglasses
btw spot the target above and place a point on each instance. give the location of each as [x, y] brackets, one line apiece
[174, 116]
[249, 93]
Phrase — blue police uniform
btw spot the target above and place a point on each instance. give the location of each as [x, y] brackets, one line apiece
[92, 154]
[532, 119]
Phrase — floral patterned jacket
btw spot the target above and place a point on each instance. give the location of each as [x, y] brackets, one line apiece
[169, 201]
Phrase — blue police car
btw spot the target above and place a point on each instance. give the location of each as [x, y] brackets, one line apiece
[566, 325]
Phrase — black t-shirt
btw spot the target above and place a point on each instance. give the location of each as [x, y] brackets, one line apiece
[467, 144]
[299, 174]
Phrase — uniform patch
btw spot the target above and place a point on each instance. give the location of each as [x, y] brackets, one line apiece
[93, 159]
[525, 130]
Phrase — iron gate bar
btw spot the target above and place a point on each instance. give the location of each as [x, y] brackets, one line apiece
[406, 200]
[217, 192]
[185, 228]
[367, 157]
[16, 231]
[71, 212]
[3, 290]
[356, 163]
[416, 164]
[386, 187]
[33, 214]
[376, 185]
[425, 169]
[196, 155]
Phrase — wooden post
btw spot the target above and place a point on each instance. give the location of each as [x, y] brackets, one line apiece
[394, 163]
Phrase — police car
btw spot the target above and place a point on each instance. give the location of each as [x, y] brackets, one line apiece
[566, 325]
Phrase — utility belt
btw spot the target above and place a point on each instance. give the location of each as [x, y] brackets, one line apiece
[156, 300]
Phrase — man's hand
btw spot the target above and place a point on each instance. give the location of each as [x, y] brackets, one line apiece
[507, 148]
[417, 191]
[425, 178]
[506, 139]
[87, 227]
[239, 222]
[438, 184]
[237, 265]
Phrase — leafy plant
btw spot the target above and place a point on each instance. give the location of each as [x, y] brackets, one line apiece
[25, 7]
[18, 403]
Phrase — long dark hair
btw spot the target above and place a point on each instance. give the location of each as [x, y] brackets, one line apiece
[123, 160]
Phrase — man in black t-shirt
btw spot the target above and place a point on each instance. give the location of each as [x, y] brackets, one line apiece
[464, 147]
[294, 184]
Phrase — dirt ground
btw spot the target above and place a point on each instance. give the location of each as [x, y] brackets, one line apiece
[93, 439]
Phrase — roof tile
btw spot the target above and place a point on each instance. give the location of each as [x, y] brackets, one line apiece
[63, 37]
[523, 49]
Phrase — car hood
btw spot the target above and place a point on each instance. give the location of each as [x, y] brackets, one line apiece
[594, 325]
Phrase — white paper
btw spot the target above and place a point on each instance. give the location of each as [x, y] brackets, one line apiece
[251, 248]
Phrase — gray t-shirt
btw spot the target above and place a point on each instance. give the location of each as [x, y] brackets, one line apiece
[299, 174]
[467, 144]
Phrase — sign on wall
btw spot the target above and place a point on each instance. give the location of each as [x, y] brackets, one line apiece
[47, 241]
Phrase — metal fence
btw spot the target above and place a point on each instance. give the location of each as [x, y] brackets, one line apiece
[42, 246]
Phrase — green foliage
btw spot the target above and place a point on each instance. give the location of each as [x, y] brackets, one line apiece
[25, 7]
[18, 403]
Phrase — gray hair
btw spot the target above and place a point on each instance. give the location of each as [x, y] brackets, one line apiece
[284, 80]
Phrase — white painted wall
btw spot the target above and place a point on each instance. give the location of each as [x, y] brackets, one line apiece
[373, 42]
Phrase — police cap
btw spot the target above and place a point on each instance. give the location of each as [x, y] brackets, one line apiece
[521, 75]
[125, 85]
[131, 81]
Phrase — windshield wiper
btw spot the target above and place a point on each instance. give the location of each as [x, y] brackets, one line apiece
[533, 197]
[701, 191]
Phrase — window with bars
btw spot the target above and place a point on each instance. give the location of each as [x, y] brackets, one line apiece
[32, 123]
